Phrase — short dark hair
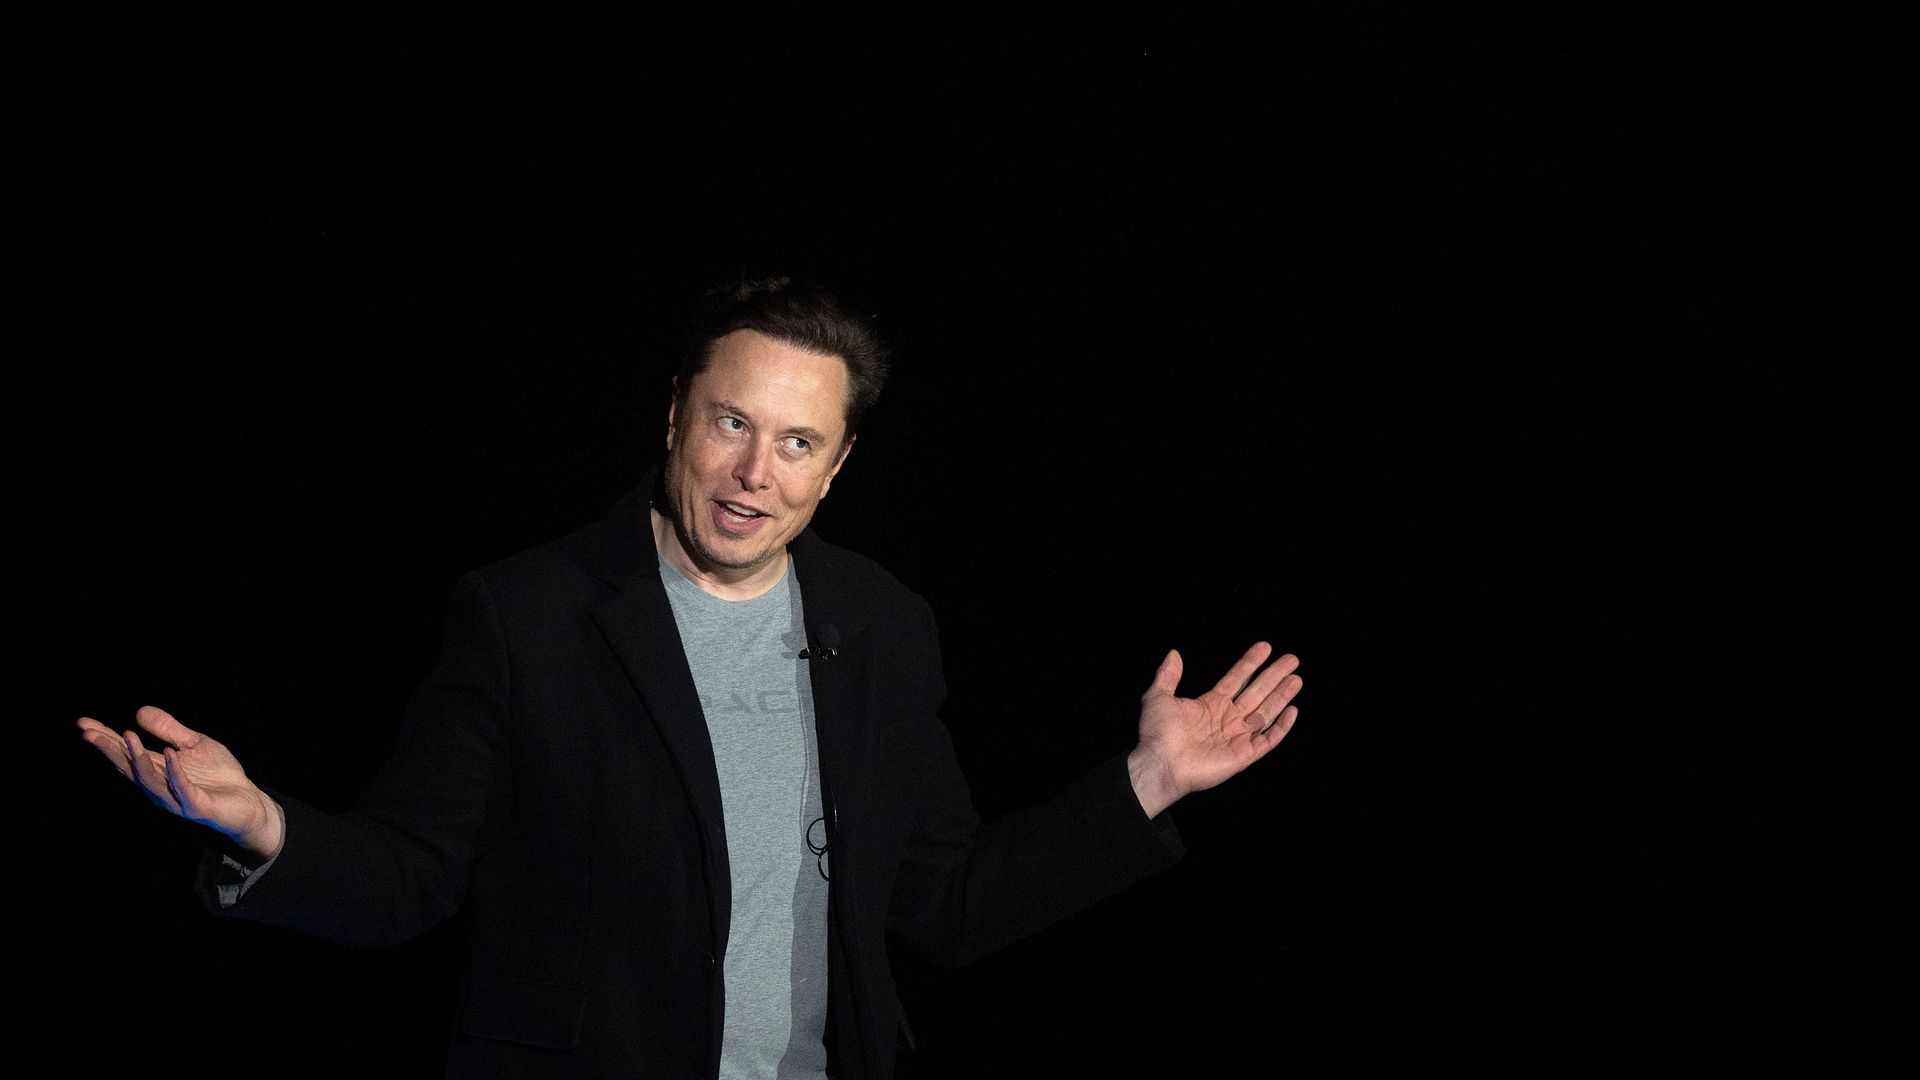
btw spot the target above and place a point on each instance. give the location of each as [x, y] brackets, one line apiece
[801, 314]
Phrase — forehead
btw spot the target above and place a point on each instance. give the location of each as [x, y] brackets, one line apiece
[782, 385]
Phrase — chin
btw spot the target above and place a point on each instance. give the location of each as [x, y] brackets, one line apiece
[733, 560]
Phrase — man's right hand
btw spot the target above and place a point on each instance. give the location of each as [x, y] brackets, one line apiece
[192, 776]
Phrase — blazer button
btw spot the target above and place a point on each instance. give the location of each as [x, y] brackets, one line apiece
[710, 960]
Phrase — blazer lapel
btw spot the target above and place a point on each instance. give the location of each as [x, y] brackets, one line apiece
[637, 622]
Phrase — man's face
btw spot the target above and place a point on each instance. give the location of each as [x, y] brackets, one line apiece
[752, 452]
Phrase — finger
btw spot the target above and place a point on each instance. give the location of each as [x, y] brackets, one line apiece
[149, 773]
[1166, 680]
[108, 742]
[1263, 685]
[1237, 675]
[1277, 699]
[161, 725]
[178, 786]
[1270, 738]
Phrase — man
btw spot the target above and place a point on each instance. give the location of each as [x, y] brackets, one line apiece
[684, 768]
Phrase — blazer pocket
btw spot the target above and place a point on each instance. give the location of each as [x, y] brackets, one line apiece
[539, 1014]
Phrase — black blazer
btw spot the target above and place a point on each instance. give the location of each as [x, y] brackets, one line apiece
[554, 776]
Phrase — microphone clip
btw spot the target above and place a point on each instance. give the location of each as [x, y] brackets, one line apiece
[828, 647]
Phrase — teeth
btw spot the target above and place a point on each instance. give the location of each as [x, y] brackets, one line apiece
[741, 511]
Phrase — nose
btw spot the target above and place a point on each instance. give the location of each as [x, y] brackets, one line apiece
[754, 467]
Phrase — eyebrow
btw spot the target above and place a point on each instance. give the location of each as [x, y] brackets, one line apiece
[812, 435]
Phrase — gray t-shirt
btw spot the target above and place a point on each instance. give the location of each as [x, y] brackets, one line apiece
[758, 702]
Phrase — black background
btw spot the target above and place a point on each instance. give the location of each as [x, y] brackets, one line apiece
[1399, 338]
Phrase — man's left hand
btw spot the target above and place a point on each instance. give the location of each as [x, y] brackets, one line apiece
[1191, 744]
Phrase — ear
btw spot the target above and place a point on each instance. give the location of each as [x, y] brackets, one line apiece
[673, 403]
[827, 484]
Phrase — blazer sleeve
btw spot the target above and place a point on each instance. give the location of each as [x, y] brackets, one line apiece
[399, 862]
[964, 889]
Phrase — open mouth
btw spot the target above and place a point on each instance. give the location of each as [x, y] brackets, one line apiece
[740, 513]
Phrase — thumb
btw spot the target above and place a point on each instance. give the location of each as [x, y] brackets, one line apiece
[1167, 679]
[161, 725]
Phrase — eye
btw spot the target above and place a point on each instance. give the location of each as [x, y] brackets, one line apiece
[796, 445]
[732, 424]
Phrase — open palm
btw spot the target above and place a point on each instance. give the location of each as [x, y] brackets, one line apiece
[192, 776]
[1201, 741]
